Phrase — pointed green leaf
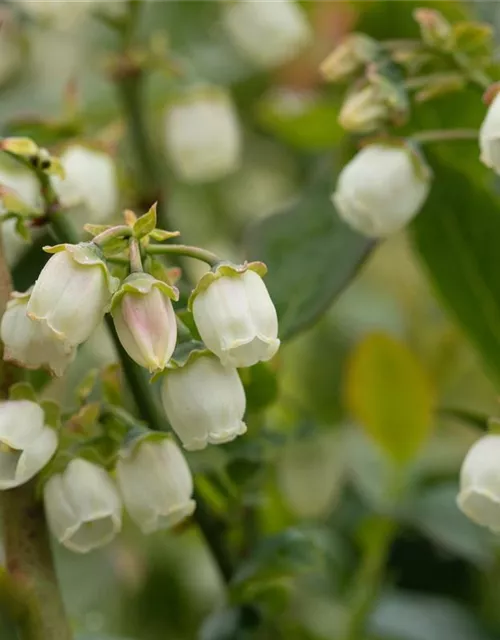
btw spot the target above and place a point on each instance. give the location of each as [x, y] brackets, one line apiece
[389, 395]
[22, 229]
[311, 256]
[96, 229]
[146, 223]
[160, 235]
[24, 147]
[52, 412]
[86, 386]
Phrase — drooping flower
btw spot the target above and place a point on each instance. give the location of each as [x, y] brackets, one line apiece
[83, 506]
[72, 293]
[267, 33]
[90, 180]
[155, 483]
[145, 320]
[479, 496]
[26, 442]
[381, 189]
[235, 315]
[29, 343]
[202, 134]
[204, 401]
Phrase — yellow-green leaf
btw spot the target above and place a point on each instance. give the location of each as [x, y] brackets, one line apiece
[20, 146]
[146, 223]
[389, 394]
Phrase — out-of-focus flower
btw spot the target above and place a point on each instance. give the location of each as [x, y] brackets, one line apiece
[29, 343]
[489, 136]
[72, 292]
[381, 189]
[145, 320]
[349, 57]
[235, 315]
[24, 184]
[267, 33]
[26, 443]
[202, 134]
[155, 483]
[364, 110]
[90, 180]
[479, 496]
[204, 401]
[83, 506]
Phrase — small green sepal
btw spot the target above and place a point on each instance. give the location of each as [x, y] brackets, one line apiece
[144, 225]
[141, 284]
[225, 270]
[22, 391]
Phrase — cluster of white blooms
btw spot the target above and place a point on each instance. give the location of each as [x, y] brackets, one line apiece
[202, 392]
[381, 189]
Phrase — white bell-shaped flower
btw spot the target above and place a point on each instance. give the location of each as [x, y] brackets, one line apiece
[72, 292]
[479, 496]
[204, 402]
[145, 320]
[26, 443]
[31, 344]
[267, 33]
[202, 134]
[381, 189]
[155, 483]
[235, 315]
[90, 180]
[489, 136]
[83, 506]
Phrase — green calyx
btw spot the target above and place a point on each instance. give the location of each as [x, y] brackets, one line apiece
[225, 270]
[87, 254]
[135, 438]
[140, 284]
[185, 353]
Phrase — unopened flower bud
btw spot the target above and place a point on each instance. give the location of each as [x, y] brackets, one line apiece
[202, 134]
[155, 483]
[26, 443]
[145, 320]
[381, 189]
[204, 401]
[435, 29]
[267, 33]
[235, 315]
[479, 496]
[489, 136]
[72, 292]
[29, 343]
[364, 110]
[90, 180]
[349, 57]
[83, 506]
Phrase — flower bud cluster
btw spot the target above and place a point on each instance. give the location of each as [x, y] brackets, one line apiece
[201, 389]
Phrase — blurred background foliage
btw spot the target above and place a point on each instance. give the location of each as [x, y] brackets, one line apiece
[326, 525]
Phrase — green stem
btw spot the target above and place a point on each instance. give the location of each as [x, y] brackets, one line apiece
[445, 135]
[28, 555]
[184, 250]
[120, 231]
[367, 581]
[135, 256]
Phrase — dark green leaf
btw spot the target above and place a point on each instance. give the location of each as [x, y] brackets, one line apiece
[457, 236]
[311, 256]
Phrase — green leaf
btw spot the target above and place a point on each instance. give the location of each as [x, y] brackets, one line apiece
[86, 386]
[24, 147]
[311, 256]
[146, 223]
[22, 229]
[52, 412]
[435, 513]
[160, 235]
[306, 121]
[456, 234]
[388, 393]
